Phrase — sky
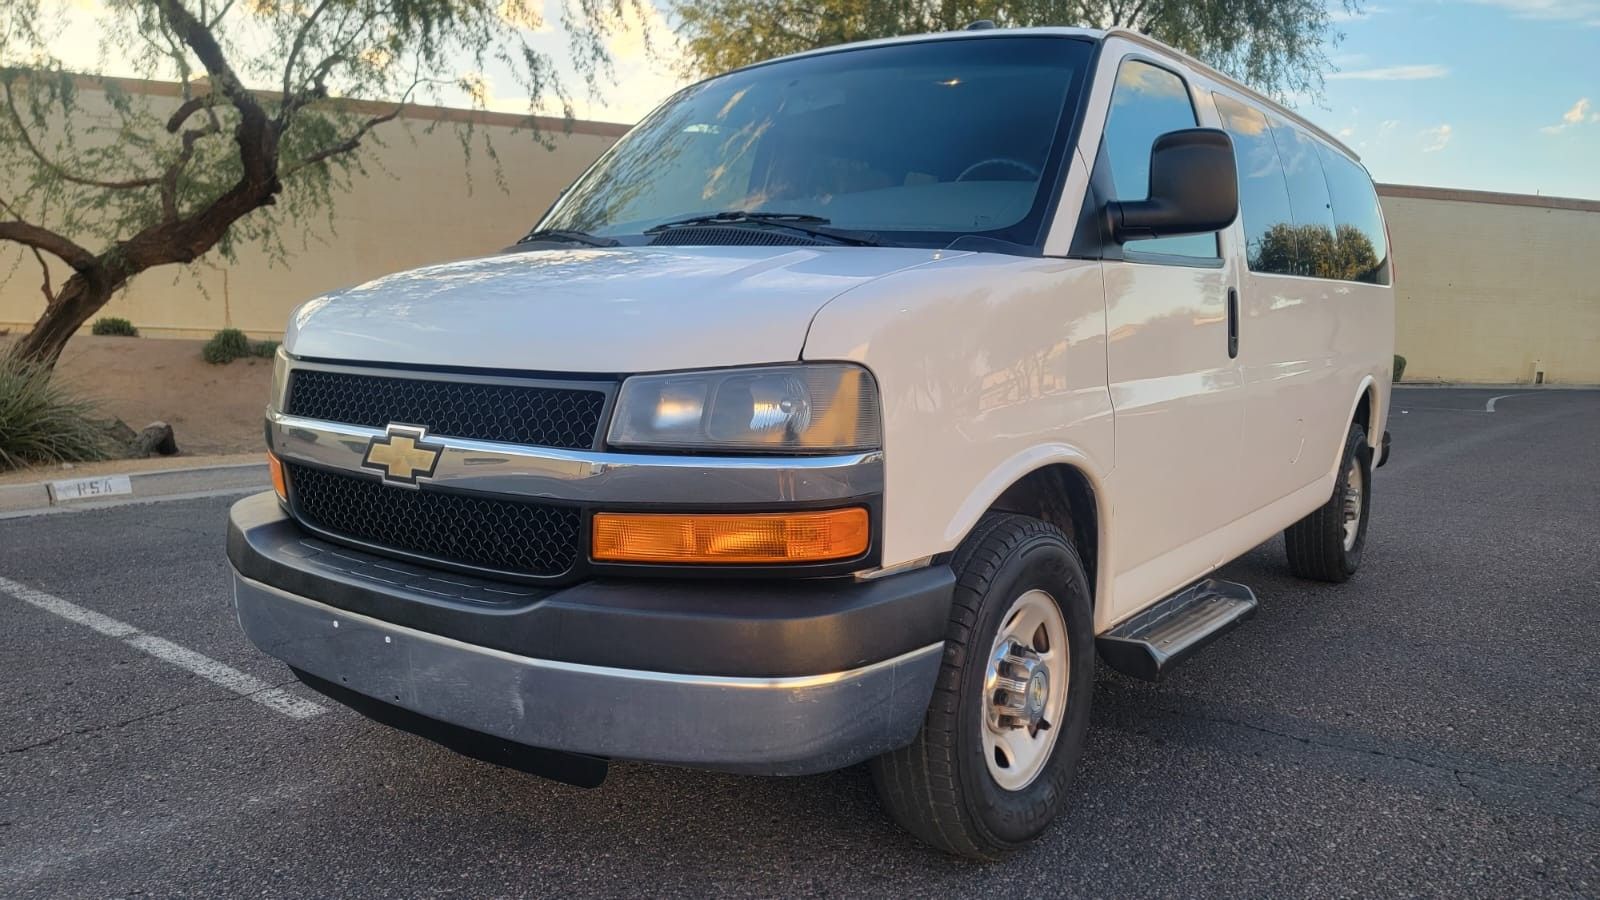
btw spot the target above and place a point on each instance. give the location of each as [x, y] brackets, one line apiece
[1497, 95]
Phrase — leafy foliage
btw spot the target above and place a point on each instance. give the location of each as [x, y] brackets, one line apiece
[263, 349]
[1399, 367]
[1343, 254]
[114, 326]
[1278, 46]
[276, 101]
[41, 422]
[226, 346]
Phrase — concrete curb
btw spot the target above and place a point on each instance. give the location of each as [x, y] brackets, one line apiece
[1476, 386]
[134, 486]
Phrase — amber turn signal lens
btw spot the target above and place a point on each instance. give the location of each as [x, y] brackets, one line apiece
[276, 468]
[774, 538]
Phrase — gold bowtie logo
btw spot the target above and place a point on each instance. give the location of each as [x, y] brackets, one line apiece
[401, 454]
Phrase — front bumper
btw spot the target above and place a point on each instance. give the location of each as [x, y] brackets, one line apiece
[551, 668]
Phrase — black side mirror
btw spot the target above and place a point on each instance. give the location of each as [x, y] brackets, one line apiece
[1194, 188]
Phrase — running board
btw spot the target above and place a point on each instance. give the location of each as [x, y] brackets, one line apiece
[1151, 643]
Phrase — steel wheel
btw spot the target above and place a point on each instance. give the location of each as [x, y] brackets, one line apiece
[1354, 501]
[1025, 690]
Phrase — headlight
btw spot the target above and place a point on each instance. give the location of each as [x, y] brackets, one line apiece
[808, 408]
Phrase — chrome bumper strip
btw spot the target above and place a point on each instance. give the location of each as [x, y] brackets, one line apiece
[586, 476]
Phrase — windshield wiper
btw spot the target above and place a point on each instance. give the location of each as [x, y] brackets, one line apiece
[801, 222]
[565, 236]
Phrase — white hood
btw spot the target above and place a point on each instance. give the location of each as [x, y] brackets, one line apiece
[628, 309]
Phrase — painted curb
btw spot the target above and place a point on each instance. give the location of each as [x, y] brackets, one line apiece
[42, 496]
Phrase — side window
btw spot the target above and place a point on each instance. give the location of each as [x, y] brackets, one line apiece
[1308, 201]
[1362, 248]
[1146, 103]
[1264, 211]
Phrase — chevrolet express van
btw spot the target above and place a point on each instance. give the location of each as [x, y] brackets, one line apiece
[841, 412]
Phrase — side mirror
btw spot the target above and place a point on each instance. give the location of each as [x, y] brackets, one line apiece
[1194, 188]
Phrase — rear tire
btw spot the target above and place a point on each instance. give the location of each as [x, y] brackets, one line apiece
[945, 788]
[1327, 544]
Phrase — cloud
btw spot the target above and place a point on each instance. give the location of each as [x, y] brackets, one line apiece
[1417, 72]
[1584, 12]
[1340, 13]
[1577, 114]
[1437, 138]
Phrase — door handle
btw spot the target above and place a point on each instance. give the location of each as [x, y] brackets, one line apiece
[1233, 323]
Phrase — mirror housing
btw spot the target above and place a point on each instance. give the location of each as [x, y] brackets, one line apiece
[1194, 188]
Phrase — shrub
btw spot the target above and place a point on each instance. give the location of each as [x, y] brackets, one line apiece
[263, 349]
[41, 422]
[226, 346]
[117, 327]
[1399, 367]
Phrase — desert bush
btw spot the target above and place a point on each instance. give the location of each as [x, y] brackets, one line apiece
[114, 326]
[42, 422]
[226, 346]
[263, 349]
[1399, 367]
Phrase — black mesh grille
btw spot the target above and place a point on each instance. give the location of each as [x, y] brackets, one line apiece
[518, 414]
[712, 235]
[529, 539]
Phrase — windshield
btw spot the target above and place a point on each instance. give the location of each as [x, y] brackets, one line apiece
[919, 143]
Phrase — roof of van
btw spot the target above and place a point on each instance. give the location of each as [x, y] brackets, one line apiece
[1098, 34]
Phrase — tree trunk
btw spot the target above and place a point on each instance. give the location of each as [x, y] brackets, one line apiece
[79, 299]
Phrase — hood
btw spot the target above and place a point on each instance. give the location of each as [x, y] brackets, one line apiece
[614, 310]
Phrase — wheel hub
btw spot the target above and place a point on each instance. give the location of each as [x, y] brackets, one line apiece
[1353, 489]
[1018, 685]
[1025, 690]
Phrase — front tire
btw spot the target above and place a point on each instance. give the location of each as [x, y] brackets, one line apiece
[1327, 544]
[990, 769]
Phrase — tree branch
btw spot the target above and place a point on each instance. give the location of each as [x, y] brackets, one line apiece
[293, 59]
[38, 238]
[348, 144]
[52, 165]
[44, 268]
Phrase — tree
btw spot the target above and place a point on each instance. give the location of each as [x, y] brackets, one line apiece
[1343, 254]
[1278, 46]
[277, 100]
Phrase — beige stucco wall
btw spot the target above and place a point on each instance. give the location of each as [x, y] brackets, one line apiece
[423, 201]
[1493, 288]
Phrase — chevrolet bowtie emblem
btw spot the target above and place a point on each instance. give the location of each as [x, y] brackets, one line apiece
[402, 455]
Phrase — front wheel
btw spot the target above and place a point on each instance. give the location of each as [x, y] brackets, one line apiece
[990, 768]
[1327, 544]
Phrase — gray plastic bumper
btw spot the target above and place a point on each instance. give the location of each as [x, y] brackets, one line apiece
[779, 726]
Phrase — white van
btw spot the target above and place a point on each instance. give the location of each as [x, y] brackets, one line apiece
[841, 412]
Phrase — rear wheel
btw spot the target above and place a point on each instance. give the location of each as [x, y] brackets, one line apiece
[990, 768]
[1327, 544]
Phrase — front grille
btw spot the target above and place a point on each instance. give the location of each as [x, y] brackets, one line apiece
[540, 416]
[507, 536]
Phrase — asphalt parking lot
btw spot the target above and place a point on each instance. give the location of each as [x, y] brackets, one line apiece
[1429, 728]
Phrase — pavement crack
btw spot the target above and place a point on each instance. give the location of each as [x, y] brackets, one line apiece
[1458, 774]
[124, 723]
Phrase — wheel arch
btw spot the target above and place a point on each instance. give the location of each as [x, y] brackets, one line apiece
[1365, 411]
[1056, 485]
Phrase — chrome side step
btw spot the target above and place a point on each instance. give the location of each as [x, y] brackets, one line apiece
[1151, 643]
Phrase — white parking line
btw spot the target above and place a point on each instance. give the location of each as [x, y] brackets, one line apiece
[1489, 407]
[247, 686]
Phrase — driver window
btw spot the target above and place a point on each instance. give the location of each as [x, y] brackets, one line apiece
[1147, 102]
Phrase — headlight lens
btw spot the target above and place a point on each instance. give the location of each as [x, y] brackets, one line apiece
[810, 408]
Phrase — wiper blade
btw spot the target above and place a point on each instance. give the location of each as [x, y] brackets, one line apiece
[801, 222]
[565, 236]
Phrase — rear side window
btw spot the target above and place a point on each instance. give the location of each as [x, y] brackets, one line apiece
[1308, 200]
[1147, 102]
[1263, 193]
[1361, 248]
